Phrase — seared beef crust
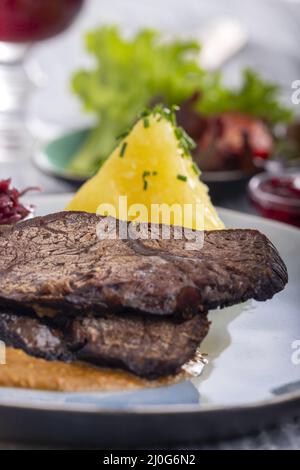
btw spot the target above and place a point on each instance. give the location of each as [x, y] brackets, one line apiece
[56, 264]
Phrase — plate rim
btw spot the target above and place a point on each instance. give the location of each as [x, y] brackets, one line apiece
[285, 398]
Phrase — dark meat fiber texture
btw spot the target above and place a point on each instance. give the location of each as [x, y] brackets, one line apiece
[56, 264]
[150, 347]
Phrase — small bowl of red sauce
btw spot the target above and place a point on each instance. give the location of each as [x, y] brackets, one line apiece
[277, 196]
[12, 210]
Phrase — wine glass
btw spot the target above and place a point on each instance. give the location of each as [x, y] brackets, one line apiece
[22, 23]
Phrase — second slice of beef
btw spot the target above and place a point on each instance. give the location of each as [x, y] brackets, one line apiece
[148, 347]
[56, 264]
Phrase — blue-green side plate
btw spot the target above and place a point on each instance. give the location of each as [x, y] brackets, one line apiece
[56, 156]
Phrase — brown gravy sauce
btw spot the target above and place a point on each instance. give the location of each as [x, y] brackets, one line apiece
[22, 370]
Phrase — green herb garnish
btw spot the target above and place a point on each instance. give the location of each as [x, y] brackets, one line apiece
[123, 135]
[185, 143]
[145, 175]
[123, 149]
[195, 169]
[182, 177]
[145, 182]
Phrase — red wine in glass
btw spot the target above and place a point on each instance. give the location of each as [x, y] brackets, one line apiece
[34, 20]
[22, 23]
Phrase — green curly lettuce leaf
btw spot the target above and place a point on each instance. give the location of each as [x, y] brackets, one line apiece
[255, 96]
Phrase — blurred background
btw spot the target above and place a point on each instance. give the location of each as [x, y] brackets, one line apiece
[39, 55]
[272, 47]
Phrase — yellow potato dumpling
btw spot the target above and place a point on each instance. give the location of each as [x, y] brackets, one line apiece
[150, 167]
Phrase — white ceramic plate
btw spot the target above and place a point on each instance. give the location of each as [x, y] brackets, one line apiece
[251, 370]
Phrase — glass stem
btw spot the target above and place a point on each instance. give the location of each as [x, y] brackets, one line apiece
[15, 91]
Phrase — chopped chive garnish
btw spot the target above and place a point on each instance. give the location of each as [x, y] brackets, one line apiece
[173, 119]
[145, 175]
[178, 133]
[123, 149]
[185, 143]
[195, 169]
[181, 177]
[123, 135]
[145, 182]
[145, 113]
